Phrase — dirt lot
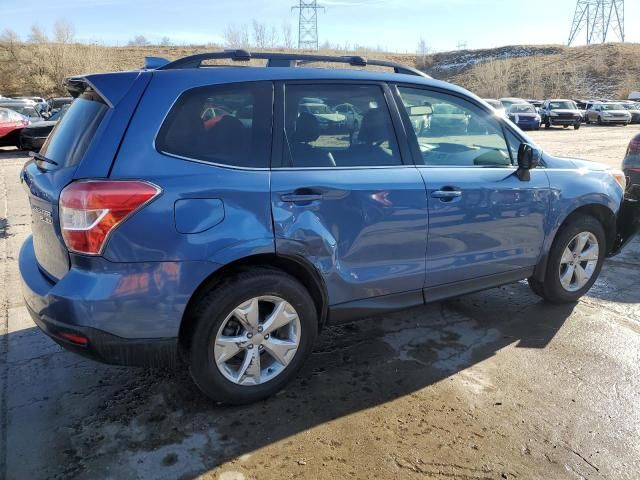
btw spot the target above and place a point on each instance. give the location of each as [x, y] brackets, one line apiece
[488, 386]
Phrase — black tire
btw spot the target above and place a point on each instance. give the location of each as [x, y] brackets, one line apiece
[547, 124]
[551, 289]
[586, 120]
[212, 309]
[576, 126]
[599, 120]
[565, 126]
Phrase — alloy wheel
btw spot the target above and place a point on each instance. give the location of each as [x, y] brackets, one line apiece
[257, 340]
[579, 261]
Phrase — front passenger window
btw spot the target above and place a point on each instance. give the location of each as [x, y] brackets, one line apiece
[453, 132]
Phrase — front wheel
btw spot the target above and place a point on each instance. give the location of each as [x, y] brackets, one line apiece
[576, 126]
[599, 120]
[252, 335]
[575, 261]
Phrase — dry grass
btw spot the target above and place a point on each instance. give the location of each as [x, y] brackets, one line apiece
[526, 71]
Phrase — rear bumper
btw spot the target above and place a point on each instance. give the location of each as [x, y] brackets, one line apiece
[627, 221]
[129, 314]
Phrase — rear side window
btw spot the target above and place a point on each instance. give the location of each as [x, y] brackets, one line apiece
[338, 126]
[71, 137]
[222, 124]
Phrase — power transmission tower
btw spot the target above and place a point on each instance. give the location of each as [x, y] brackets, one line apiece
[308, 24]
[598, 17]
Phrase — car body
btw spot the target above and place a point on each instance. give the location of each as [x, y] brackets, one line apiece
[497, 106]
[634, 109]
[155, 239]
[560, 112]
[508, 101]
[33, 136]
[525, 116]
[11, 123]
[608, 113]
[631, 162]
[27, 110]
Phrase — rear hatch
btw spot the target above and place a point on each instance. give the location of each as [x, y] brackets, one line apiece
[91, 129]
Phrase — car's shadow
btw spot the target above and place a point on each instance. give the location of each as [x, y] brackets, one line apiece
[152, 415]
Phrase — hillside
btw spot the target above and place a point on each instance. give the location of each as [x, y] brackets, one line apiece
[610, 70]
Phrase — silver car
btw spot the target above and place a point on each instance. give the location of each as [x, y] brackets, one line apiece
[608, 113]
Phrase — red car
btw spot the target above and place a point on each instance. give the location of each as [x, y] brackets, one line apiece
[11, 123]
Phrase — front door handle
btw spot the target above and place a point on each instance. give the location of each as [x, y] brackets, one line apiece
[446, 195]
[300, 197]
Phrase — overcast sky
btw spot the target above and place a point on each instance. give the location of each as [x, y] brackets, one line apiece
[394, 25]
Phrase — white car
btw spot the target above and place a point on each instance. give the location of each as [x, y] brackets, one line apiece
[611, 113]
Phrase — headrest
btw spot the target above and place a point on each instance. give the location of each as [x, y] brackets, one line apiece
[375, 127]
[307, 129]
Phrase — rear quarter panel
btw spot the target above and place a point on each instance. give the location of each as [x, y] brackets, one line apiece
[151, 234]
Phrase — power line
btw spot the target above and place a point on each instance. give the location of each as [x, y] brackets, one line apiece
[308, 24]
[598, 17]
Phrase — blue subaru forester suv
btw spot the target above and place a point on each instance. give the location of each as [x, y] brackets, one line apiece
[204, 214]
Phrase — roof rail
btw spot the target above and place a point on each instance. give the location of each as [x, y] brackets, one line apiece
[286, 60]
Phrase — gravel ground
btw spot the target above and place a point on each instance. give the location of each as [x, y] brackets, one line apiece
[492, 385]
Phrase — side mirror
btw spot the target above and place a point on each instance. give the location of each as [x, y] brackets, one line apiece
[528, 158]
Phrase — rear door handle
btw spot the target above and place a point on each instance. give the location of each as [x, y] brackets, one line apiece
[446, 195]
[300, 197]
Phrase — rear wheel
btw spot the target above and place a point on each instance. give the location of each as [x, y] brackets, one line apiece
[547, 123]
[252, 335]
[576, 126]
[599, 120]
[575, 261]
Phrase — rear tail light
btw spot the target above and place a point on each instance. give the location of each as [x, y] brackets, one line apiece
[91, 210]
[634, 146]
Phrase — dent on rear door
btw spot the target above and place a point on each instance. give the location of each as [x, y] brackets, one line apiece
[366, 237]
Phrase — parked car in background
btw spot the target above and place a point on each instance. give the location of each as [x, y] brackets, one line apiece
[353, 117]
[634, 109]
[560, 112]
[154, 239]
[497, 106]
[448, 118]
[608, 113]
[508, 101]
[525, 116]
[11, 123]
[26, 109]
[328, 120]
[33, 136]
[56, 103]
[631, 163]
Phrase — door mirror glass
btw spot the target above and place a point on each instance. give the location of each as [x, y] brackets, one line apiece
[528, 157]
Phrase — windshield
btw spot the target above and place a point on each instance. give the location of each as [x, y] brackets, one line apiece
[26, 110]
[495, 104]
[612, 106]
[630, 106]
[562, 106]
[71, 136]
[522, 108]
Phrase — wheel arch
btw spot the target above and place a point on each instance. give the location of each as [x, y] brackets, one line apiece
[600, 212]
[297, 267]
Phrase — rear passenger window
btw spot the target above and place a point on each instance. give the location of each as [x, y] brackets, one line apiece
[453, 132]
[223, 124]
[338, 126]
